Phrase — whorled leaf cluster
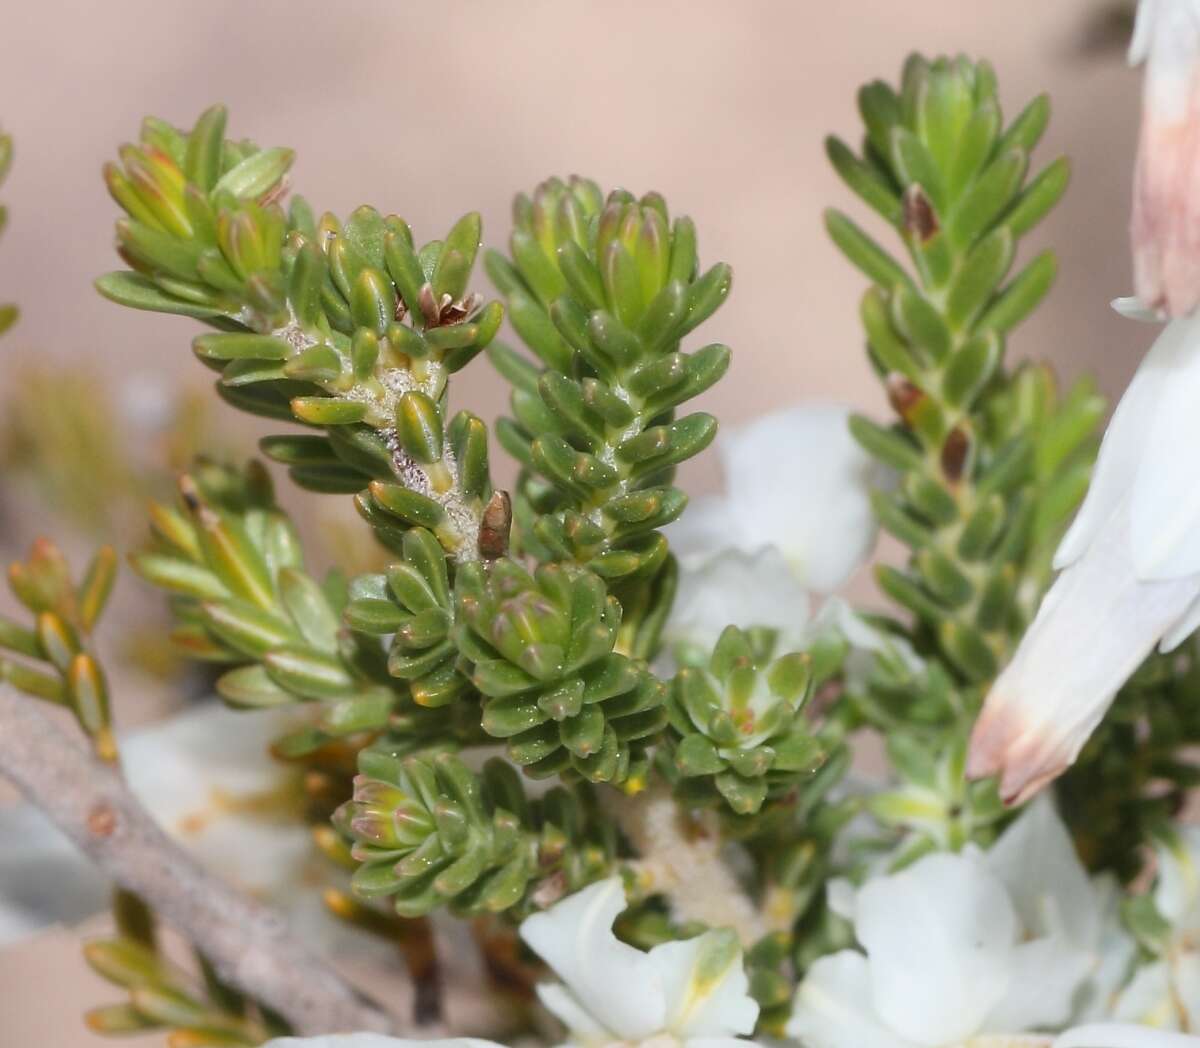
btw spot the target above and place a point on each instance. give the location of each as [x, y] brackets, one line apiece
[737, 725]
[540, 651]
[429, 832]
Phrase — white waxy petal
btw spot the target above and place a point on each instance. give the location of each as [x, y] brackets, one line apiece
[1184, 628]
[44, 878]
[1037, 861]
[585, 1029]
[1095, 626]
[1143, 31]
[1115, 953]
[951, 916]
[1177, 891]
[832, 1008]
[1046, 974]
[615, 983]
[1165, 506]
[799, 481]
[1149, 998]
[1185, 979]
[207, 777]
[374, 1040]
[721, 1042]
[742, 589]
[1121, 455]
[1123, 1035]
[707, 526]
[842, 898]
[1166, 211]
[1133, 308]
[795, 480]
[706, 987]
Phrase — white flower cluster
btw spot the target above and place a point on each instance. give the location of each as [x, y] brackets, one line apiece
[976, 950]
[962, 946]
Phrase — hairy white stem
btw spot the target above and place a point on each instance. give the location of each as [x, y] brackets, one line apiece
[681, 859]
[463, 516]
[247, 942]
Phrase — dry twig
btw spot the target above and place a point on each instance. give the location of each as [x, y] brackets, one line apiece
[246, 941]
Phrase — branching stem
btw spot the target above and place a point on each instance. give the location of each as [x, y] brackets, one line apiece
[247, 942]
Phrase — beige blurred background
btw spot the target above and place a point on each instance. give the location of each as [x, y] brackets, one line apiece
[429, 110]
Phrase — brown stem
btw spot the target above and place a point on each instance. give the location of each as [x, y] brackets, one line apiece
[247, 942]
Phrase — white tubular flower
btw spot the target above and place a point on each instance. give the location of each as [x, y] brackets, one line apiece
[680, 993]
[795, 520]
[1165, 993]
[1166, 199]
[966, 949]
[1130, 578]
[208, 779]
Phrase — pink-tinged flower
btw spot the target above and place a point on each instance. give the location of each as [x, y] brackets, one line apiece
[1166, 194]
[1130, 578]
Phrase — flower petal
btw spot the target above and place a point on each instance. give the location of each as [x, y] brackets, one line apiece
[799, 481]
[1177, 891]
[1046, 975]
[832, 1007]
[1121, 454]
[707, 526]
[373, 1040]
[617, 984]
[742, 589]
[705, 986]
[1122, 1035]
[952, 914]
[1116, 953]
[1165, 508]
[584, 1028]
[1037, 861]
[1185, 986]
[1133, 308]
[1094, 628]
[842, 897]
[1165, 230]
[207, 777]
[44, 878]
[1149, 998]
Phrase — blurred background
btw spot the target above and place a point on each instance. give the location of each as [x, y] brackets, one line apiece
[430, 110]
